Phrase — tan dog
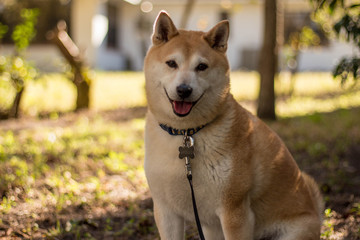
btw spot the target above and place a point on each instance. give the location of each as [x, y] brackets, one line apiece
[247, 184]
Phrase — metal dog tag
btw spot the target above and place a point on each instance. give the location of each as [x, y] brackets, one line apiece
[187, 150]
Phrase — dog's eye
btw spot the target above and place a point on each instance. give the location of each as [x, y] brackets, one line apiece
[172, 64]
[201, 67]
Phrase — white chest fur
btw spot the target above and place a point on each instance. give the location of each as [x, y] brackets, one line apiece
[167, 178]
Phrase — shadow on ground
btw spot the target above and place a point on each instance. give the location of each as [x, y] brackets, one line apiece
[325, 145]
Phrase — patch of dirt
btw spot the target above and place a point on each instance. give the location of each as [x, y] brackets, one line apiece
[64, 119]
[133, 219]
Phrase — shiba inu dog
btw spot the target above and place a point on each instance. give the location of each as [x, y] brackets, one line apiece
[247, 184]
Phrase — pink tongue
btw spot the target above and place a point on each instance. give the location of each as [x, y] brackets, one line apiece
[181, 107]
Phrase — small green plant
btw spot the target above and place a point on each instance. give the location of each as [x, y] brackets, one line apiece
[6, 204]
[115, 162]
[14, 174]
[356, 209]
[15, 69]
[127, 229]
[328, 225]
[55, 231]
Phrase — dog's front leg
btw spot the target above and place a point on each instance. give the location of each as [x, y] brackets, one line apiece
[238, 222]
[170, 225]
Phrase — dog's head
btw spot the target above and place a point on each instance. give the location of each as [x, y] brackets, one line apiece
[187, 73]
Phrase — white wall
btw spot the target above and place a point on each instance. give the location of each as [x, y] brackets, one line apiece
[82, 13]
[106, 58]
[325, 58]
[246, 32]
[130, 44]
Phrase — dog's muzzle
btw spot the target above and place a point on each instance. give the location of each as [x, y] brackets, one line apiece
[182, 108]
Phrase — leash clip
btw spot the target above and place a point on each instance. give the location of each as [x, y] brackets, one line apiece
[188, 140]
[187, 151]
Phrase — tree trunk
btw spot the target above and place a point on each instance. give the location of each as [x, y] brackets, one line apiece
[268, 63]
[186, 13]
[72, 54]
[82, 88]
[15, 108]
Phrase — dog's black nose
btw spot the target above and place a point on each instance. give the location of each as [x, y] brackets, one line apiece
[184, 90]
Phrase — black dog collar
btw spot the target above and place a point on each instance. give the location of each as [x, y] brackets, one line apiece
[176, 132]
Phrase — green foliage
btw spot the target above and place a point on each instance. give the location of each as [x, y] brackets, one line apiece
[347, 67]
[25, 31]
[14, 170]
[303, 39]
[115, 162]
[15, 68]
[6, 204]
[3, 30]
[342, 19]
[328, 230]
[297, 41]
[17, 71]
[356, 208]
[349, 24]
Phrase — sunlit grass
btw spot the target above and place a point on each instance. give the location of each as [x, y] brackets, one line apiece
[92, 162]
[50, 93]
[114, 89]
[83, 153]
[7, 93]
[312, 92]
[297, 106]
[244, 85]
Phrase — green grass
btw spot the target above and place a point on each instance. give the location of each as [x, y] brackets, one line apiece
[55, 93]
[313, 92]
[80, 176]
[90, 164]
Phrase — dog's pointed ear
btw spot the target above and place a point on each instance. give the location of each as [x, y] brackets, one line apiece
[218, 36]
[164, 29]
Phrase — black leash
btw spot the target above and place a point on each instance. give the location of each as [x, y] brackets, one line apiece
[197, 219]
[187, 151]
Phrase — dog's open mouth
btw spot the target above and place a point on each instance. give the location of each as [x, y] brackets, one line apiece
[182, 108]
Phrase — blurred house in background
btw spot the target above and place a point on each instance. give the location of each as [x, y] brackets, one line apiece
[115, 34]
